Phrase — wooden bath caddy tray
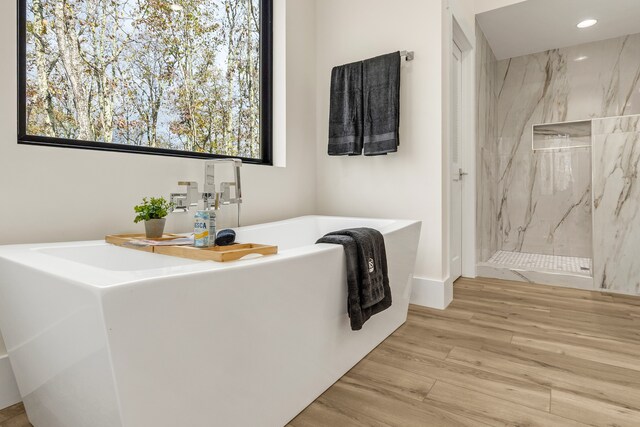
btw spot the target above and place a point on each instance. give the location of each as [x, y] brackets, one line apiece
[216, 253]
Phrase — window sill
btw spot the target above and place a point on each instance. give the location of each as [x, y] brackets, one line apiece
[132, 149]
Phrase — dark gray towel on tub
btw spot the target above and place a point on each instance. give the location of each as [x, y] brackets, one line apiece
[381, 86]
[368, 287]
[345, 111]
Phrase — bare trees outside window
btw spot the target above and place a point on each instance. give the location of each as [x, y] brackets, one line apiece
[167, 75]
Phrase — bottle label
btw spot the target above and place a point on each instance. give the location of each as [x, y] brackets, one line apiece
[201, 230]
[212, 230]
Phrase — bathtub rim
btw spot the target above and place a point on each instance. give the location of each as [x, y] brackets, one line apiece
[99, 279]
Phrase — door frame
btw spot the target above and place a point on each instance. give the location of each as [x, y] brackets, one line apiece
[467, 158]
[456, 139]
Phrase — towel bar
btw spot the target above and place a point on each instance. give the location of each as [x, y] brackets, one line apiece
[408, 55]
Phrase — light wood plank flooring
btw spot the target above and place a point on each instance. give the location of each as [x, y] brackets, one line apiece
[503, 353]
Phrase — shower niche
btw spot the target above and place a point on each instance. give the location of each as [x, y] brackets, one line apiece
[564, 135]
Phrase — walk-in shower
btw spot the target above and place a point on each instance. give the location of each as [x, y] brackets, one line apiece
[544, 217]
[558, 162]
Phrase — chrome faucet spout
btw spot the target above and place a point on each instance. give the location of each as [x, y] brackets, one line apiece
[182, 202]
[211, 195]
[225, 187]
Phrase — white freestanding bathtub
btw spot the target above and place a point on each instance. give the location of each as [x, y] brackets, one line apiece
[100, 335]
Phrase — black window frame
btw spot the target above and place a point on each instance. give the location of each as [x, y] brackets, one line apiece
[266, 101]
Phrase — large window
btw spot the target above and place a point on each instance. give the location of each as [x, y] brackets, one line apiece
[175, 77]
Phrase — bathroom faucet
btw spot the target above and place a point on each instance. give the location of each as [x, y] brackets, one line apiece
[224, 195]
[183, 201]
[210, 194]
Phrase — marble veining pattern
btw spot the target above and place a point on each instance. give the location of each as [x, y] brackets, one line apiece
[487, 155]
[616, 201]
[613, 125]
[543, 198]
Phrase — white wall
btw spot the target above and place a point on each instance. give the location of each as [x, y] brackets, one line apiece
[407, 184]
[55, 194]
[482, 6]
[412, 183]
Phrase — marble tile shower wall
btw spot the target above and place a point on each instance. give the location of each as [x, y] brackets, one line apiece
[616, 201]
[487, 154]
[542, 200]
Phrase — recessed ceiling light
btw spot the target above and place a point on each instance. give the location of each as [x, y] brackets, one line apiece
[581, 58]
[587, 23]
[176, 7]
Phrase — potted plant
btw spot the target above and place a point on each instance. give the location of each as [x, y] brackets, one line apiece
[153, 211]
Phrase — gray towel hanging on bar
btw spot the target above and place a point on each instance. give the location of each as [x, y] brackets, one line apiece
[364, 110]
[345, 115]
[381, 85]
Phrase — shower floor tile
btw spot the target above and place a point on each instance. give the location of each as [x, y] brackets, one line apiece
[540, 261]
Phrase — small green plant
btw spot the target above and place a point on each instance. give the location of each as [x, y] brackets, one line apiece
[152, 208]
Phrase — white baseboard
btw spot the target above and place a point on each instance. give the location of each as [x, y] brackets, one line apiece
[432, 293]
[9, 393]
